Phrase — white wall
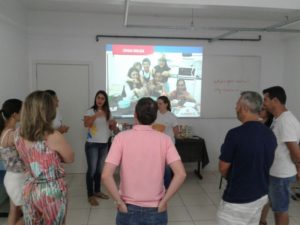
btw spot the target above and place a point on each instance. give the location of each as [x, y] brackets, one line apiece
[71, 37]
[292, 75]
[14, 74]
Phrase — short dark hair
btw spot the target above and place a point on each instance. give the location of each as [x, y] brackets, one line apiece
[133, 69]
[146, 60]
[51, 92]
[146, 110]
[276, 92]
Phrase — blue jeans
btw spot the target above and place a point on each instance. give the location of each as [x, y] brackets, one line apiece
[137, 215]
[279, 193]
[95, 155]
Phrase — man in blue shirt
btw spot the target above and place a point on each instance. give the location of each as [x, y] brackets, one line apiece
[246, 157]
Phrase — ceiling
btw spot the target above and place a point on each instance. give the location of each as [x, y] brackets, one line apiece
[273, 12]
[166, 8]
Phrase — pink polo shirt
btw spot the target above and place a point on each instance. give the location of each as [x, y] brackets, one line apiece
[142, 154]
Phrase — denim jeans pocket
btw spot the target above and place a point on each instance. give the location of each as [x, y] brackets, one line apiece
[151, 217]
[124, 218]
[157, 218]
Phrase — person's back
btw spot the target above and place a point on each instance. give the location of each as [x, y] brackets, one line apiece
[45, 163]
[142, 154]
[9, 154]
[246, 157]
[143, 157]
[42, 150]
[253, 157]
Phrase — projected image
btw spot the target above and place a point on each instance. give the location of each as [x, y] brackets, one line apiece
[136, 71]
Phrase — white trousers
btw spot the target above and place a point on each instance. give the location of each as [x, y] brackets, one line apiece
[14, 183]
[240, 214]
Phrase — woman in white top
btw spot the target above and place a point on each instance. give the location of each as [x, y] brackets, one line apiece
[166, 122]
[165, 118]
[14, 176]
[98, 121]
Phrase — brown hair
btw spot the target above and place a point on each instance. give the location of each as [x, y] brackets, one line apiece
[37, 115]
[166, 100]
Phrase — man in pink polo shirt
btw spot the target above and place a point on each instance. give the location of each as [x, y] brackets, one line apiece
[142, 154]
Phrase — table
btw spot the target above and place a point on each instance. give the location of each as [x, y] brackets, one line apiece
[193, 150]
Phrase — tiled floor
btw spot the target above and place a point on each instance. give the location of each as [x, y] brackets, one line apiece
[195, 204]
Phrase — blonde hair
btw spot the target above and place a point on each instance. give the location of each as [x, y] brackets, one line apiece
[37, 115]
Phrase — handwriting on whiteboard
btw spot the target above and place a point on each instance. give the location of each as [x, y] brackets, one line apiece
[230, 85]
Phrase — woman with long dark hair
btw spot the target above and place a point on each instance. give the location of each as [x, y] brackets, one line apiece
[98, 121]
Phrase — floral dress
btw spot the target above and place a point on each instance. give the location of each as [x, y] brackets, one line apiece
[45, 191]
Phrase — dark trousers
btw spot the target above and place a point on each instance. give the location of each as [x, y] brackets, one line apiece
[95, 155]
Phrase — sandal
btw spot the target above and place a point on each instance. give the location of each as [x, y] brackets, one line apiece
[93, 201]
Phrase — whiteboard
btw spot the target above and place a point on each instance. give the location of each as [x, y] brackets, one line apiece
[224, 77]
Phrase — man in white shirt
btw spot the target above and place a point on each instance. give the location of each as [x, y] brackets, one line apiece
[283, 172]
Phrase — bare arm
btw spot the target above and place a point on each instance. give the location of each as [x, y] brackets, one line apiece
[294, 151]
[224, 168]
[177, 181]
[61, 146]
[112, 124]
[111, 186]
[298, 171]
[89, 120]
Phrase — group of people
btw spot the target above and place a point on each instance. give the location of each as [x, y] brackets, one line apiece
[143, 81]
[34, 150]
[32, 153]
[259, 160]
[100, 123]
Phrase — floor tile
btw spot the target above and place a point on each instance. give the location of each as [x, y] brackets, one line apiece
[202, 212]
[178, 214]
[78, 216]
[195, 203]
[196, 199]
[102, 216]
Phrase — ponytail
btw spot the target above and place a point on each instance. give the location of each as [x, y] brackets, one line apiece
[9, 107]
